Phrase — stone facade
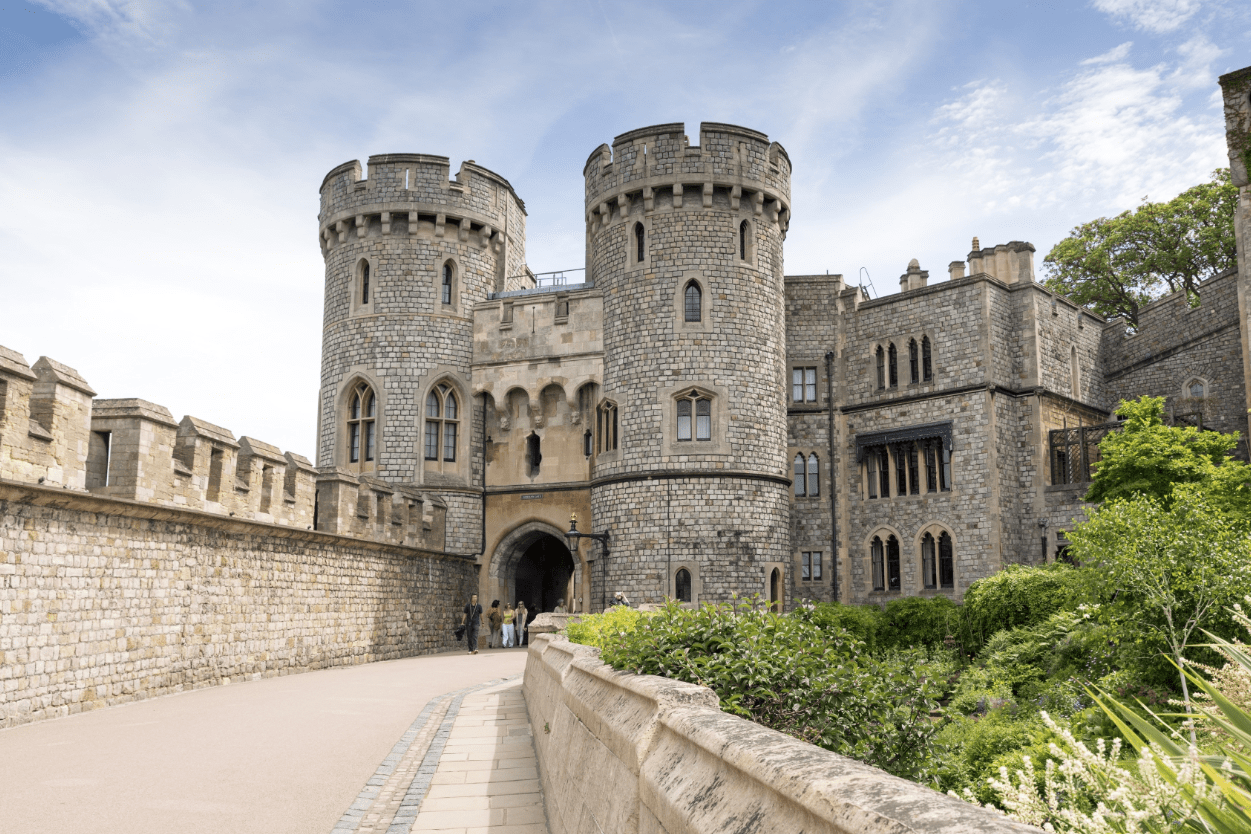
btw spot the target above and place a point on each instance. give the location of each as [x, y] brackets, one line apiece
[579, 388]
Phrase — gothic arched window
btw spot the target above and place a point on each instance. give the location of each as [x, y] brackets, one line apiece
[682, 585]
[892, 564]
[927, 364]
[801, 481]
[877, 564]
[449, 277]
[742, 241]
[914, 369]
[893, 363]
[640, 245]
[442, 423]
[364, 282]
[362, 432]
[693, 302]
[881, 367]
[814, 482]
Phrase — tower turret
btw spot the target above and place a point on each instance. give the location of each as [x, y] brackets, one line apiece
[685, 243]
[408, 253]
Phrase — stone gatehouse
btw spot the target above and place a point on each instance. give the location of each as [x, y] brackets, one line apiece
[731, 428]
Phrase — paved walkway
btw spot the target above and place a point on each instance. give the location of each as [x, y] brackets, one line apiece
[438, 743]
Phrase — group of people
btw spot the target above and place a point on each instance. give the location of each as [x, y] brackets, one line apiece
[506, 626]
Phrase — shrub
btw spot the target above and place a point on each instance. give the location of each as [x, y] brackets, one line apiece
[597, 629]
[862, 622]
[917, 621]
[1019, 596]
[786, 673]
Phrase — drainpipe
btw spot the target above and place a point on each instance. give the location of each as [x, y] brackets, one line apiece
[829, 392]
[482, 547]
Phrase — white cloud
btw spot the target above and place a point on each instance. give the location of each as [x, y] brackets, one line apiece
[1157, 16]
[1119, 53]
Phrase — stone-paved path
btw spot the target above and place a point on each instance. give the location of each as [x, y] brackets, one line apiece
[284, 755]
[465, 766]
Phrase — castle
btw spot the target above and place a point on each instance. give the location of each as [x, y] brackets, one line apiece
[720, 427]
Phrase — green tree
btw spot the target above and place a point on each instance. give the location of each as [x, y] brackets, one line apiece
[1149, 458]
[1116, 265]
[1179, 562]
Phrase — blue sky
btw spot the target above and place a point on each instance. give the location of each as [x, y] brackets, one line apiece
[158, 207]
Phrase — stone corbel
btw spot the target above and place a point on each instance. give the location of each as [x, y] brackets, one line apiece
[736, 194]
[412, 222]
[386, 222]
[649, 198]
[707, 195]
[758, 204]
[623, 205]
[362, 225]
[341, 228]
[484, 236]
[775, 207]
[605, 214]
[463, 234]
[440, 224]
[677, 195]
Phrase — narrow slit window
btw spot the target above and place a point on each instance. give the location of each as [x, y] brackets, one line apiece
[914, 368]
[946, 562]
[929, 567]
[364, 282]
[927, 362]
[640, 243]
[447, 282]
[914, 471]
[877, 564]
[694, 302]
[742, 241]
[893, 362]
[892, 564]
[881, 368]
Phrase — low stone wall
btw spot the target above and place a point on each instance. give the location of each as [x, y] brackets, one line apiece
[636, 753]
[105, 600]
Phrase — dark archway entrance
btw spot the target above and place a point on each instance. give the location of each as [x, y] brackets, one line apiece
[543, 574]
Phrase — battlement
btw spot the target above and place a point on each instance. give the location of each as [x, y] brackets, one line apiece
[1170, 323]
[735, 163]
[406, 194]
[54, 432]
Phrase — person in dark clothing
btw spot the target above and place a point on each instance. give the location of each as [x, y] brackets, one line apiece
[473, 622]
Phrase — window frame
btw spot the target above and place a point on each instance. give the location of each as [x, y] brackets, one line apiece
[929, 562]
[361, 415]
[607, 427]
[799, 481]
[364, 275]
[692, 285]
[914, 363]
[447, 280]
[927, 359]
[877, 564]
[892, 365]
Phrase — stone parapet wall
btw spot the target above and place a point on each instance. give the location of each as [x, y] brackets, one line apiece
[104, 600]
[636, 753]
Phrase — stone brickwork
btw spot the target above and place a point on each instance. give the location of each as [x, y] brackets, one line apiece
[664, 219]
[104, 601]
[1178, 343]
[387, 241]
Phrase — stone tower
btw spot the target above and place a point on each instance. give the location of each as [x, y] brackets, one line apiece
[691, 473]
[408, 254]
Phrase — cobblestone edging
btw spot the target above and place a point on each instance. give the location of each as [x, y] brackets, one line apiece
[392, 797]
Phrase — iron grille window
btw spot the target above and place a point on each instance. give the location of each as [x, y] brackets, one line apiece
[1074, 452]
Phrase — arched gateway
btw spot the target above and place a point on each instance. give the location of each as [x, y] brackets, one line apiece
[533, 564]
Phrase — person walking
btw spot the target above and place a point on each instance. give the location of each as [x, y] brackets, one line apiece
[509, 633]
[473, 622]
[495, 619]
[521, 622]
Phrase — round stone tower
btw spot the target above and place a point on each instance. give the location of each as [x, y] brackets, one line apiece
[690, 468]
[408, 254]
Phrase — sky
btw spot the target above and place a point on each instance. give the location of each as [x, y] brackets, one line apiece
[158, 206]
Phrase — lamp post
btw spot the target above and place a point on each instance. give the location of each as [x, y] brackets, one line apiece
[573, 535]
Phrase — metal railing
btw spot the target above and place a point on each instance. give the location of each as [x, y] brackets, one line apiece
[1075, 451]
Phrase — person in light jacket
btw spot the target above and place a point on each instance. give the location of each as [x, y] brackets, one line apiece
[520, 623]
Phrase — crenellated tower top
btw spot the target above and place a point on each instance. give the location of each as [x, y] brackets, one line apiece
[660, 158]
[403, 189]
